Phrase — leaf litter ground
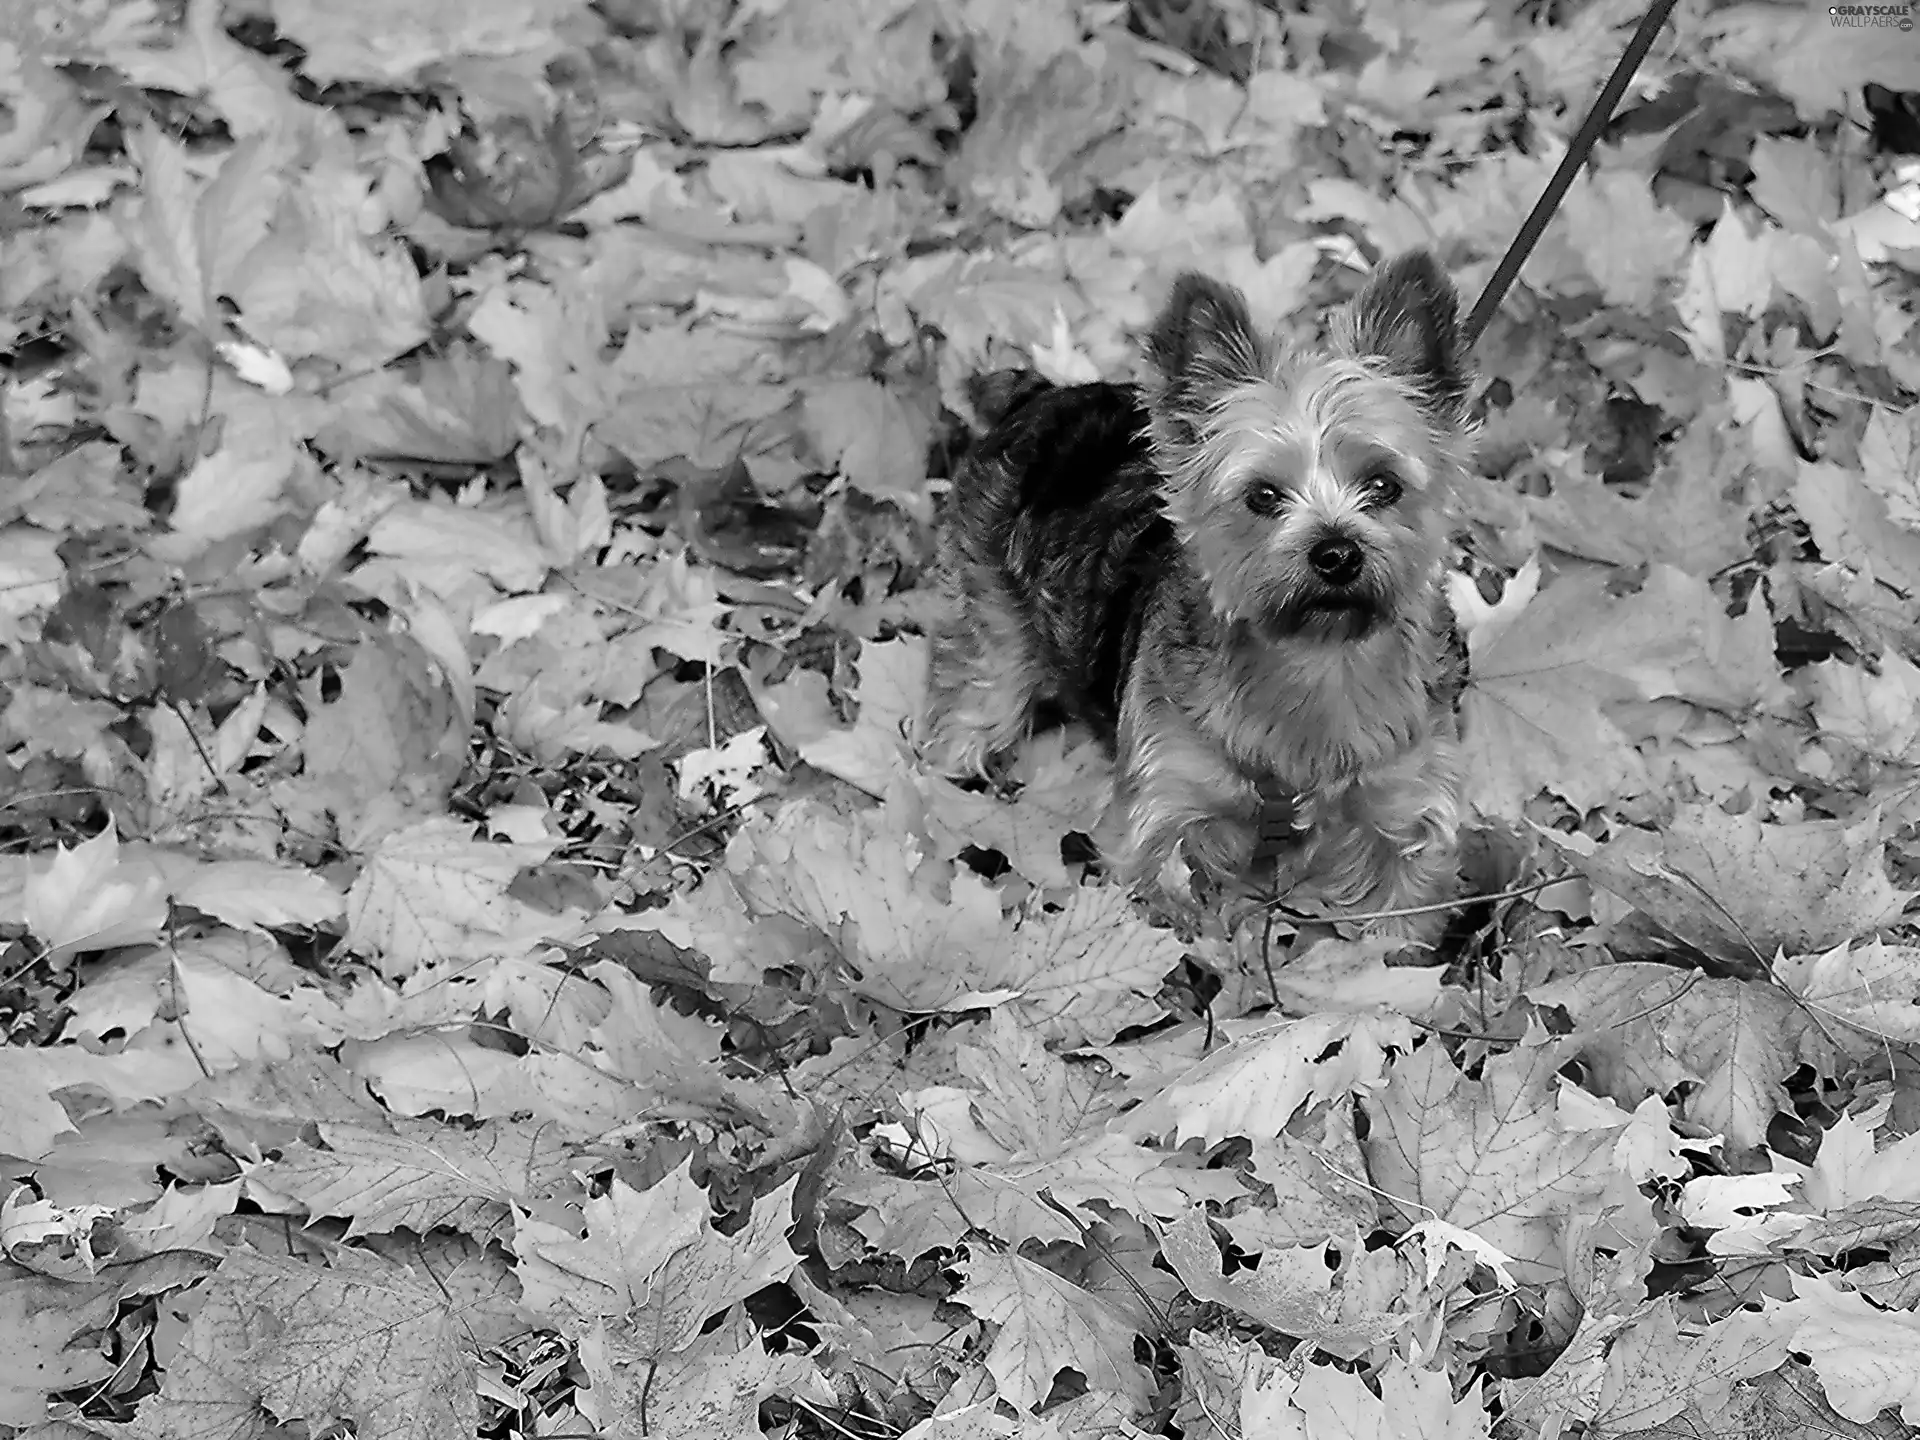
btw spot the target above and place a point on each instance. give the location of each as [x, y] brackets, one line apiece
[481, 959]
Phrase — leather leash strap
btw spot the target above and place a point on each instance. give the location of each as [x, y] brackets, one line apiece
[1577, 151]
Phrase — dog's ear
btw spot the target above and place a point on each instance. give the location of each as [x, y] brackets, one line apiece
[1406, 321]
[1203, 340]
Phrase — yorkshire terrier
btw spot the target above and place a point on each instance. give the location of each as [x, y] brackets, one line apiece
[1232, 573]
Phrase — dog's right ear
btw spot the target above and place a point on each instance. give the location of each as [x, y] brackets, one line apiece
[1406, 321]
[1203, 341]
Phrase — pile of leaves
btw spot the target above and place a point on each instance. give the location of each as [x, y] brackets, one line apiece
[477, 955]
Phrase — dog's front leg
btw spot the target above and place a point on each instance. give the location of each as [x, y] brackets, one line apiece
[1182, 824]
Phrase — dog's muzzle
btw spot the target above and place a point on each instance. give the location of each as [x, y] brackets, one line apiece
[1333, 616]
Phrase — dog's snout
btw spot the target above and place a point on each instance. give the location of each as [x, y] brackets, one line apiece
[1336, 560]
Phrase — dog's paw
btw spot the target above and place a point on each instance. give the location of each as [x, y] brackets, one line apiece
[1218, 851]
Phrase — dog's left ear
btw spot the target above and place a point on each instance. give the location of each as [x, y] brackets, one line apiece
[1202, 344]
[1203, 337]
[1407, 322]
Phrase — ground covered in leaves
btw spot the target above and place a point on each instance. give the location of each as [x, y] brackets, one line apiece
[476, 956]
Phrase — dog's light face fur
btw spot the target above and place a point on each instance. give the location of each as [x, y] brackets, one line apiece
[1268, 453]
[1330, 439]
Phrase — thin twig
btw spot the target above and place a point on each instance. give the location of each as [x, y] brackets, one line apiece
[1458, 903]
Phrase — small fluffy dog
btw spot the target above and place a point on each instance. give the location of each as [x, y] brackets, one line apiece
[1233, 574]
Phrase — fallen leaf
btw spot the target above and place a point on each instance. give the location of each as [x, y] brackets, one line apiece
[1047, 1324]
[652, 1262]
[366, 1341]
[1741, 889]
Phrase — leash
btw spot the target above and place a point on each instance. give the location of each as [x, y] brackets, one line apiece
[1577, 151]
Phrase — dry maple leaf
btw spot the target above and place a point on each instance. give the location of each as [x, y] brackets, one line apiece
[1640, 1371]
[423, 1175]
[1493, 1156]
[1741, 889]
[430, 893]
[1252, 1086]
[922, 936]
[1411, 1402]
[1047, 1324]
[83, 899]
[651, 1262]
[1089, 969]
[874, 438]
[1551, 669]
[367, 1342]
[1692, 515]
[1876, 711]
[386, 42]
[872, 752]
[41, 1324]
[460, 408]
[701, 394]
[1850, 524]
[1645, 1030]
[1065, 783]
[1873, 987]
[713, 1390]
[1028, 1126]
[1864, 1355]
[1293, 1291]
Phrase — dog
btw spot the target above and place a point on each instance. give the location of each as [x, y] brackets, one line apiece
[1232, 573]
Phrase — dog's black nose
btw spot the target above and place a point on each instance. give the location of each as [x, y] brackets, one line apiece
[1336, 560]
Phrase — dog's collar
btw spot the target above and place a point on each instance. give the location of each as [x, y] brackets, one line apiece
[1278, 824]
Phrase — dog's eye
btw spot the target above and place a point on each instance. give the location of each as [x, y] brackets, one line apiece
[1381, 489]
[1265, 499]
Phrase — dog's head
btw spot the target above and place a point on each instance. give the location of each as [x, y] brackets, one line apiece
[1310, 486]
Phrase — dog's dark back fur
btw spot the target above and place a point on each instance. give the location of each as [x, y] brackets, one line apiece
[1063, 463]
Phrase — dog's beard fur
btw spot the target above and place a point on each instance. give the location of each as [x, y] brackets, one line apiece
[1239, 659]
[1329, 617]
